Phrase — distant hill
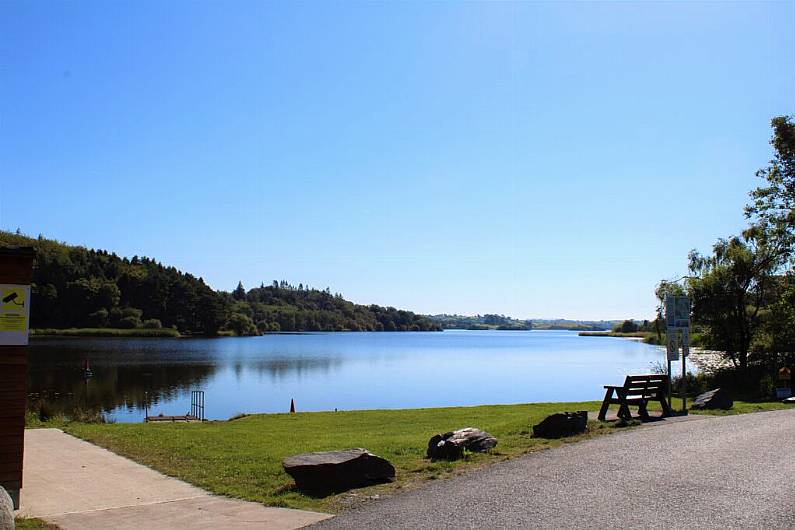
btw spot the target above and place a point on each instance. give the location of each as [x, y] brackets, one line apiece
[575, 325]
[480, 322]
[487, 321]
[76, 287]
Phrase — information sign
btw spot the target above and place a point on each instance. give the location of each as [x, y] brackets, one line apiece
[14, 314]
[673, 344]
[677, 311]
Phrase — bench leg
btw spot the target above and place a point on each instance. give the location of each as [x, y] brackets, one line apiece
[642, 410]
[623, 408]
[666, 409]
[605, 404]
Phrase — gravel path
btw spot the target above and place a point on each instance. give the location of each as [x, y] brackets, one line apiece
[728, 472]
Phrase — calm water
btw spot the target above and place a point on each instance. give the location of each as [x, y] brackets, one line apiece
[324, 371]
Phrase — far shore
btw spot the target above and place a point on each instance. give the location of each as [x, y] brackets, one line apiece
[106, 332]
[165, 333]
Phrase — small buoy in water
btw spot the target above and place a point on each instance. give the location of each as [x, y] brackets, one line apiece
[87, 372]
[292, 406]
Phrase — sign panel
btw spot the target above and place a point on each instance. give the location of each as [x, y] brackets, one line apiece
[673, 344]
[14, 314]
[677, 311]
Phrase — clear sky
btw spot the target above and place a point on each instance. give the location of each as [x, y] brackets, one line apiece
[531, 159]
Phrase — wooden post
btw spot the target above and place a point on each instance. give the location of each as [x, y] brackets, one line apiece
[16, 273]
[684, 381]
[670, 386]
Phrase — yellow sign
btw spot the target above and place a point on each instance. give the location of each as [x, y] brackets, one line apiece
[13, 322]
[13, 298]
[14, 314]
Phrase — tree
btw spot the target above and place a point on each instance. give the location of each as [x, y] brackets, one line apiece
[773, 208]
[729, 290]
[240, 292]
[242, 324]
[628, 326]
[210, 312]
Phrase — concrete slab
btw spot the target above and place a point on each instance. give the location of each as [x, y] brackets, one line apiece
[75, 484]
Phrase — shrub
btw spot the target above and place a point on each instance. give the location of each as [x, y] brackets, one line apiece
[132, 312]
[241, 324]
[130, 322]
[98, 319]
[152, 323]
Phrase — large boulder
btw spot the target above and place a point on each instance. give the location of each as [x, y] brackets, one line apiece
[562, 424]
[334, 471]
[451, 445]
[6, 510]
[714, 399]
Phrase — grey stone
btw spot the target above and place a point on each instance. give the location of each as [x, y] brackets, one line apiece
[714, 399]
[335, 471]
[6, 511]
[562, 424]
[451, 445]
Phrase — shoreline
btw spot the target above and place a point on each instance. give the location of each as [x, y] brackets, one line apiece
[166, 333]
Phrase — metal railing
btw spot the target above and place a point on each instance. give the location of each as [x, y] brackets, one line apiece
[197, 404]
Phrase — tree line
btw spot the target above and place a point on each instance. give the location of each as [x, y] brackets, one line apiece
[743, 290]
[76, 287]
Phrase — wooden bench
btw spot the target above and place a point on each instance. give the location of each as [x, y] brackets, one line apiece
[637, 390]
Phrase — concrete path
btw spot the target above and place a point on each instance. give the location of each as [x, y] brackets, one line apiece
[80, 486]
[701, 473]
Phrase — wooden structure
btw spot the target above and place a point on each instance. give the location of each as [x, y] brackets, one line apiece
[196, 410]
[637, 390]
[16, 267]
[187, 418]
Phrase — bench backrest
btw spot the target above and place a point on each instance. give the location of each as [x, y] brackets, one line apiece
[649, 385]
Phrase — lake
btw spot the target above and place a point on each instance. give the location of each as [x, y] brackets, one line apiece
[324, 371]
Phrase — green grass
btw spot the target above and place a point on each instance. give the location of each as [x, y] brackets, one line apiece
[634, 334]
[27, 523]
[649, 337]
[242, 458]
[104, 332]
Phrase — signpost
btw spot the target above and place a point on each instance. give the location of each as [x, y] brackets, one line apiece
[677, 321]
[16, 271]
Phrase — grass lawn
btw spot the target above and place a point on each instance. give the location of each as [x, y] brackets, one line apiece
[242, 458]
[25, 523]
[630, 335]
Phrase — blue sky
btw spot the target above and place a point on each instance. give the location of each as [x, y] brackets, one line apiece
[532, 159]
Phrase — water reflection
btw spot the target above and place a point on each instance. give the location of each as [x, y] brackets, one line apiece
[326, 371]
[56, 375]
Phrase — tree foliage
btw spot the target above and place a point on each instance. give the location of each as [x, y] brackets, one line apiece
[743, 291]
[78, 287]
[772, 210]
[729, 290]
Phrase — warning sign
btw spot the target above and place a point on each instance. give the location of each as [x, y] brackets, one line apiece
[14, 314]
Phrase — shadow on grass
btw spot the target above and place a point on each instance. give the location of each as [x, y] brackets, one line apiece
[322, 493]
